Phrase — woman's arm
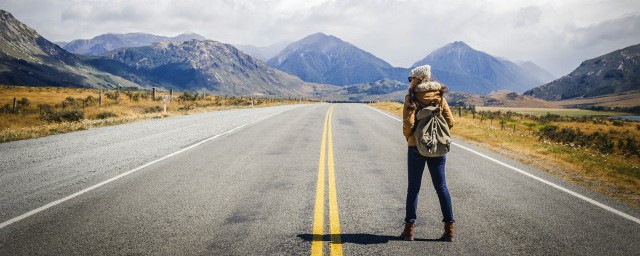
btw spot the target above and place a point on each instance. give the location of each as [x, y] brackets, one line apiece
[446, 112]
[407, 118]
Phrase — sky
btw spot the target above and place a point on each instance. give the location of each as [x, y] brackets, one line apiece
[557, 35]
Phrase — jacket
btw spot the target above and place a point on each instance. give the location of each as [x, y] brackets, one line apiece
[428, 93]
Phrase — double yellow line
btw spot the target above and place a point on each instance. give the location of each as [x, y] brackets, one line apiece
[318, 215]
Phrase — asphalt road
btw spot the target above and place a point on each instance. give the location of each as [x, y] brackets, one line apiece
[226, 188]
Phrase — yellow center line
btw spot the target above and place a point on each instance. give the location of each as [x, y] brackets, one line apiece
[334, 218]
[318, 212]
[318, 216]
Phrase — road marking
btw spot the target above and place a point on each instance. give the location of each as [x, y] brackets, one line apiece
[326, 154]
[334, 218]
[563, 189]
[76, 194]
[318, 211]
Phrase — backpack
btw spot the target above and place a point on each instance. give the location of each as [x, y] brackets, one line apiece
[432, 135]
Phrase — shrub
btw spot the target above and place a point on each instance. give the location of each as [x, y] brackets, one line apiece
[23, 103]
[629, 146]
[186, 96]
[600, 141]
[153, 109]
[617, 123]
[73, 115]
[105, 115]
[115, 95]
[88, 101]
[187, 107]
[45, 109]
[8, 109]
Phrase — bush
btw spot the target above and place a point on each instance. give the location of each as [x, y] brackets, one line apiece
[68, 102]
[45, 109]
[629, 146]
[105, 115]
[186, 96]
[153, 109]
[73, 115]
[600, 141]
[115, 95]
[187, 107]
[617, 123]
[23, 103]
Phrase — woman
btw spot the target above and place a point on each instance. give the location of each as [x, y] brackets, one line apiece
[424, 92]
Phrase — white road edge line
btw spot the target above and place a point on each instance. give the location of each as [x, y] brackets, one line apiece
[594, 202]
[69, 197]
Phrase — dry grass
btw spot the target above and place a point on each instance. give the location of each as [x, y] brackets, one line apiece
[626, 99]
[29, 122]
[557, 111]
[611, 174]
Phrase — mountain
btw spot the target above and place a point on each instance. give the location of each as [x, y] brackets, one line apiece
[61, 43]
[27, 58]
[108, 42]
[539, 72]
[263, 53]
[465, 69]
[202, 66]
[612, 73]
[322, 58]
[384, 89]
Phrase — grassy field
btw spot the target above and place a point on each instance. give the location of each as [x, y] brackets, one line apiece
[557, 111]
[561, 145]
[42, 111]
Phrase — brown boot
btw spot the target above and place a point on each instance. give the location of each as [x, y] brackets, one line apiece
[407, 234]
[448, 232]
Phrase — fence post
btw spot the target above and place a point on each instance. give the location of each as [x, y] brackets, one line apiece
[165, 105]
[170, 94]
[100, 99]
[153, 93]
[460, 111]
[15, 103]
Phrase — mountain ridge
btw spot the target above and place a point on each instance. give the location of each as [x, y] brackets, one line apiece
[458, 65]
[103, 43]
[611, 73]
[322, 58]
[27, 58]
[203, 65]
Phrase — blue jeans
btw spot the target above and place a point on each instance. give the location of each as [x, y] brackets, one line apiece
[416, 163]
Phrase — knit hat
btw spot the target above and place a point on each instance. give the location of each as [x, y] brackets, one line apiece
[421, 71]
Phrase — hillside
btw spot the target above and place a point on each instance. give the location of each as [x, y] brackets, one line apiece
[203, 66]
[612, 73]
[263, 53]
[327, 59]
[27, 58]
[108, 42]
[465, 69]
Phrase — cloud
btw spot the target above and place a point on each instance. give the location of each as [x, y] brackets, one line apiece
[527, 16]
[557, 35]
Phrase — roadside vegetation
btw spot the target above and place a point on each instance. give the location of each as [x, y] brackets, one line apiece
[590, 150]
[43, 111]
